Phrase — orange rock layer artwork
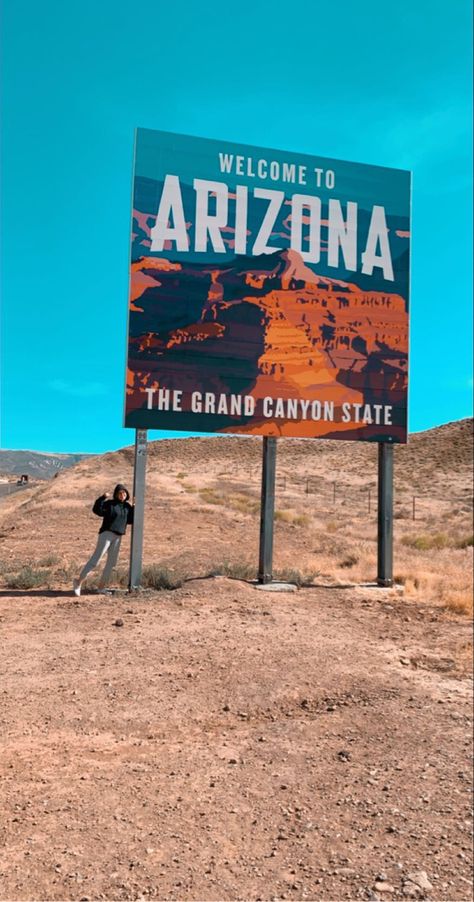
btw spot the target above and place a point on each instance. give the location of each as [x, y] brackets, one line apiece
[265, 346]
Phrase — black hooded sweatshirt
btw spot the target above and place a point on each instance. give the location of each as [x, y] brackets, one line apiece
[117, 514]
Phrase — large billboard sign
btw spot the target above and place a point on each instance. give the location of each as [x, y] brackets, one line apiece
[268, 292]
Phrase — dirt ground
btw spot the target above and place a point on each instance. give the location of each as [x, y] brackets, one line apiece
[220, 742]
[223, 742]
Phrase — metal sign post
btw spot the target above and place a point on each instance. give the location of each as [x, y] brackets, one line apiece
[136, 547]
[267, 509]
[385, 516]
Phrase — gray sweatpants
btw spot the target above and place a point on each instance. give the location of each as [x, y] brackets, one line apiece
[107, 542]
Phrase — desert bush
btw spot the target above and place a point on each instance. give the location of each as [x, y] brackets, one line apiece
[180, 475]
[49, 560]
[465, 541]
[286, 516]
[121, 576]
[5, 567]
[297, 577]
[246, 571]
[427, 541]
[210, 496]
[301, 519]
[28, 578]
[244, 504]
[67, 572]
[459, 601]
[235, 570]
[155, 576]
[436, 541]
[349, 561]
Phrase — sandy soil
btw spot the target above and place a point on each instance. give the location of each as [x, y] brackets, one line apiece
[230, 743]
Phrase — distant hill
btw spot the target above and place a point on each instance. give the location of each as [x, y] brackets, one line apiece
[36, 464]
[434, 457]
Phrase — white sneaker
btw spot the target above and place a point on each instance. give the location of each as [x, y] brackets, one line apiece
[77, 587]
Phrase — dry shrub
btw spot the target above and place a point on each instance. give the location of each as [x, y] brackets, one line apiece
[427, 541]
[464, 657]
[296, 577]
[447, 582]
[283, 516]
[28, 578]
[286, 516]
[49, 560]
[459, 601]
[235, 570]
[301, 520]
[465, 541]
[67, 572]
[244, 504]
[349, 561]
[210, 496]
[247, 571]
[155, 576]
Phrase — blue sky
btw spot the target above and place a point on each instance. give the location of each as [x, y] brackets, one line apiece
[369, 82]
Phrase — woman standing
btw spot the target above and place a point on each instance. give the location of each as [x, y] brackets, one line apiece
[117, 513]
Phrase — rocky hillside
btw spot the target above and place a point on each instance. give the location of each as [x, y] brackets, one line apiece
[35, 464]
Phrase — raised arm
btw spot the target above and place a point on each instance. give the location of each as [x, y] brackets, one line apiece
[99, 508]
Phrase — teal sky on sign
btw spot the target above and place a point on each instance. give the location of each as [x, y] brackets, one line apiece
[384, 85]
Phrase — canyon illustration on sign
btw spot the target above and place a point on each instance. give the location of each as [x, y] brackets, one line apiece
[268, 292]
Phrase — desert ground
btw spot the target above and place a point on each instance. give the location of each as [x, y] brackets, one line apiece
[205, 739]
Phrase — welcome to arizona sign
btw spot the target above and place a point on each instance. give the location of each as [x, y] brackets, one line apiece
[268, 292]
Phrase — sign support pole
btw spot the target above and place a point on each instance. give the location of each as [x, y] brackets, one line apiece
[385, 516]
[267, 509]
[136, 547]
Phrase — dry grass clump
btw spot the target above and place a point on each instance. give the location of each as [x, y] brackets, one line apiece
[154, 576]
[28, 573]
[444, 580]
[349, 561]
[436, 540]
[235, 570]
[296, 577]
[286, 516]
[459, 601]
[211, 496]
[465, 541]
[247, 571]
[28, 577]
[244, 504]
[238, 501]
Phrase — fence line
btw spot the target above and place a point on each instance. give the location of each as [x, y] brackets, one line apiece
[365, 496]
[338, 493]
